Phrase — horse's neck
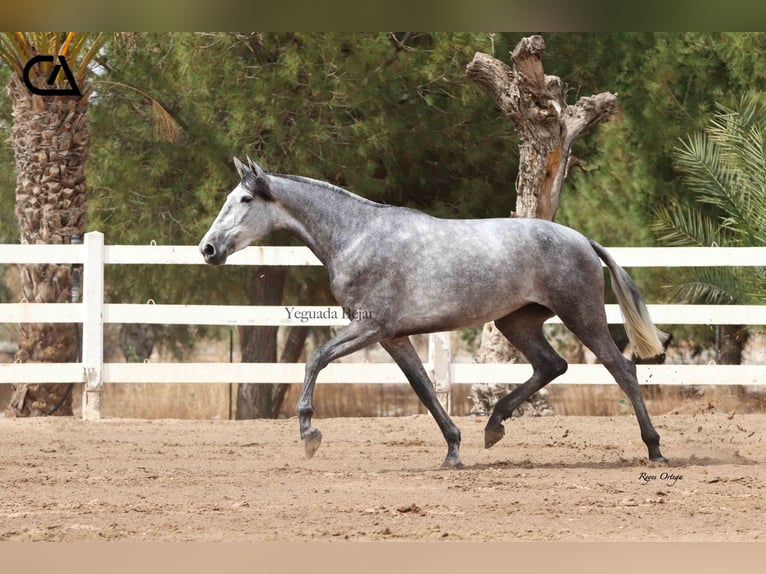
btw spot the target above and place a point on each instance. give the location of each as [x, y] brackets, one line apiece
[325, 219]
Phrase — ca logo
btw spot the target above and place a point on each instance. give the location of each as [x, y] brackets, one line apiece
[61, 66]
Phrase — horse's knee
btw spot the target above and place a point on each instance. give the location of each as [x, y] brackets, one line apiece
[556, 368]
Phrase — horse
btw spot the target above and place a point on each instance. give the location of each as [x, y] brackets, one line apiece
[399, 272]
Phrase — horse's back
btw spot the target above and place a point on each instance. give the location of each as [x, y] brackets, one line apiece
[449, 273]
[484, 245]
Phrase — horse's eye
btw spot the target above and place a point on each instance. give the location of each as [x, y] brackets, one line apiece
[246, 199]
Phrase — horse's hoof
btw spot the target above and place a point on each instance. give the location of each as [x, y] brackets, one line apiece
[492, 435]
[311, 441]
[659, 458]
[452, 463]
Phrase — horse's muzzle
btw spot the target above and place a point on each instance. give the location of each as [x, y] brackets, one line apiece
[212, 255]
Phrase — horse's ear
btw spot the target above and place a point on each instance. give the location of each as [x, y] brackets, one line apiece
[255, 168]
[254, 178]
[241, 169]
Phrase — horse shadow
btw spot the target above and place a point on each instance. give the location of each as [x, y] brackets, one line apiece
[617, 464]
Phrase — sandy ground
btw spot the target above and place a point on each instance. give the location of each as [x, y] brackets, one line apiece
[551, 478]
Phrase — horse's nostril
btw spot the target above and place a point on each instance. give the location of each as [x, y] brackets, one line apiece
[209, 250]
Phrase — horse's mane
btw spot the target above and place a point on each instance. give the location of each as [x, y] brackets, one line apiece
[329, 187]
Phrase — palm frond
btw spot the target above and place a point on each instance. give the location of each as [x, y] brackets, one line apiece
[14, 50]
[19, 39]
[739, 134]
[710, 285]
[679, 225]
[699, 161]
[89, 57]
[725, 168]
[166, 128]
[754, 182]
[755, 280]
[10, 57]
[705, 172]
[64, 48]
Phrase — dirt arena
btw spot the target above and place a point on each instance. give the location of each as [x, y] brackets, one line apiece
[552, 478]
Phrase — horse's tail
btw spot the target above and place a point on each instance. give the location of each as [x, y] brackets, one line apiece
[645, 337]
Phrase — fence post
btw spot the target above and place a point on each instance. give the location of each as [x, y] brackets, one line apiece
[440, 357]
[93, 325]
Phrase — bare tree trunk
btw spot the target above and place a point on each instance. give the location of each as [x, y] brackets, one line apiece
[733, 339]
[291, 352]
[137, 341]
[547, 127]
[259, 344]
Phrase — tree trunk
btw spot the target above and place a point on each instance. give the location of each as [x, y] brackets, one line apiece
[50, 138]
[259, 345]
[137, 341]
[264, 400]
[547, 127]
[732, 340]
[296, 340]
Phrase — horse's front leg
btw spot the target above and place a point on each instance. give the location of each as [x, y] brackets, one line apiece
[353, 337]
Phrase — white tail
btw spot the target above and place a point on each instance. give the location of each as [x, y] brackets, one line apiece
[646, 338]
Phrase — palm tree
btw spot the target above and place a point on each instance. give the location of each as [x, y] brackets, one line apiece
[50, 139]
[725, 169]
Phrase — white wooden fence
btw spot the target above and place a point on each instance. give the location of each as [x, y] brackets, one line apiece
[93, 313]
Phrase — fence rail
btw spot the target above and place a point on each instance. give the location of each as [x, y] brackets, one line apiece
[93, 313]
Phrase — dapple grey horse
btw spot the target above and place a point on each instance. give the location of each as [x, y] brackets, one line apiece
[403, 272]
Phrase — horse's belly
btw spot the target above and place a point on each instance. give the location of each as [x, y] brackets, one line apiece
[449, 309]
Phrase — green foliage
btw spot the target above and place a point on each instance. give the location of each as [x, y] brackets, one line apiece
[668, 84]
[724, 167]
[391, 117]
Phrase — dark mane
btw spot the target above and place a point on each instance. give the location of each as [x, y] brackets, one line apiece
[329, 187]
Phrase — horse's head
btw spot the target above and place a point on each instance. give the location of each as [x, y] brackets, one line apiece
[247, 215]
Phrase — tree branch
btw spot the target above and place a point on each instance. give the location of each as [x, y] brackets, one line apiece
[498, 78]
[546, 125]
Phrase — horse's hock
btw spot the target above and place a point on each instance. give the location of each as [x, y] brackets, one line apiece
[495, 349]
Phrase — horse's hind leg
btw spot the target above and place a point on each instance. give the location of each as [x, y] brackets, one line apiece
[524, 329]
[591, 327]
[402, 351]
